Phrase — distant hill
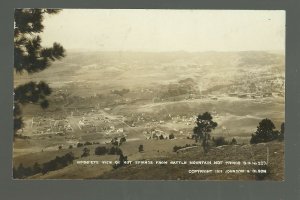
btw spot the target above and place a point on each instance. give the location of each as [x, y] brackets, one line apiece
[76, 60]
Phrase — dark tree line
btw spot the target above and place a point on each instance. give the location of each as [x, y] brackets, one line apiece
[31, 57]
[58, 163]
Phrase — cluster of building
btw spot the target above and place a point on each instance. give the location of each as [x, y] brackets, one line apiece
[43, 125]
[253, 86]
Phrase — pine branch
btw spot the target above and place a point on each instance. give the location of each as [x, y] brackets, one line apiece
[31, 92]
[30, 56]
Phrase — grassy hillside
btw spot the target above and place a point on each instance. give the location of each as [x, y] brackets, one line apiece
[162, 150]
[258, 152]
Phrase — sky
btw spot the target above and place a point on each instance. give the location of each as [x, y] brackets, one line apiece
[166, 30]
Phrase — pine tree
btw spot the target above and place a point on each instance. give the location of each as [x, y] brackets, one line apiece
[205, 125]
[265, 132]
[36, 168]
[30, 57]
[233, 141]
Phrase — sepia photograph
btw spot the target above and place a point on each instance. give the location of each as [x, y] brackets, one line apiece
[149, 94]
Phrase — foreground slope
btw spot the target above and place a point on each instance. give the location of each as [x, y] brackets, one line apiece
[272, 152]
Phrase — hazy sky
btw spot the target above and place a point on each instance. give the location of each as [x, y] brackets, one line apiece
[166, 30]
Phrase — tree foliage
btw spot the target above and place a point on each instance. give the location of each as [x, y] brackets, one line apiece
[115, 151]
[220, 141]
[101, 150]
[233, 141]
[141, 148]
[281, 134]
[205, 125]
[171, 136]
[59, 162]
[122, 140]
[31, 57]
[265, 132]
[122, 160]
[86, 152]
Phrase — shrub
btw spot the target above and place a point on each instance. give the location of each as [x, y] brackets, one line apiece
[79, 144]
[86, 152]
[60, 147]
[281, 134]
[114, 141]
[219, 141]
[171, 136]
[233, 141]
[100, 150]
[161, 137]
[141, 148]
[122, 140]
[175, 148]
[154, 136]
[36, 168]
[115, 151]
[87, 143]
[112, 151]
